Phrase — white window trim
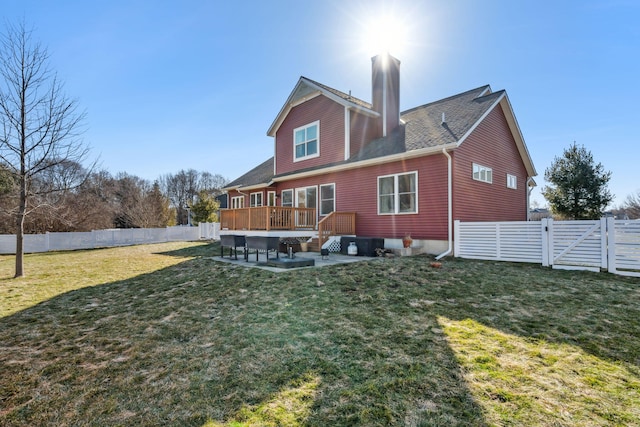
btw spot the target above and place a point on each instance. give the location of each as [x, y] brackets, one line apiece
[480, 168]
[271, 198]
[298, 189]
[290, 190]
[237, 202]
[396, 198]
[317, 153]
[333, 184]
[512, 181]
[253, 199]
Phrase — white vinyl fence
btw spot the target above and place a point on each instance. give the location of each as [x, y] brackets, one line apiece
[608, 244]
[108, 238]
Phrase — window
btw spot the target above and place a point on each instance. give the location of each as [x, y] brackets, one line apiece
[327, 199]
[255, 199]
[306, 197]
[512, 181]
[271, 198]
[306, 141]
[482, 173]
[398, 194]
[287, 198]
[237, 202]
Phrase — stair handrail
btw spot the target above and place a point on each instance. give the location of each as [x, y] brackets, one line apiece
[329, 226]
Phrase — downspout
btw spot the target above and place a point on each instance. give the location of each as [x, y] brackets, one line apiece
[241, 193]
[449, 206]
[529, 190]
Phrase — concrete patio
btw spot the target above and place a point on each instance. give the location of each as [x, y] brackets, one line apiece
[331, 259]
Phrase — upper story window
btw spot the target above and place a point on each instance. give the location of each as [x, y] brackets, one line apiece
[306, 141]
[482, 173]
[398, 194]
[512, 181]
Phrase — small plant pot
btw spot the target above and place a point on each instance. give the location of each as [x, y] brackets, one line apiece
[407, 241]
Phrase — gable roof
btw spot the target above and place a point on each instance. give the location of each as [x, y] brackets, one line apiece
[307, 89]
[422, 131]
[346, 97]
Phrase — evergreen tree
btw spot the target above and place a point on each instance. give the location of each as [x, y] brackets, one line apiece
[158, 206]
[205, 209]
[578, 187]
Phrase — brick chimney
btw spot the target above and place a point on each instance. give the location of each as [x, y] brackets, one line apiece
[385, 82]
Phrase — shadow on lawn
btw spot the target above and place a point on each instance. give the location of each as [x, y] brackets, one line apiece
[203, 340]
[199, 251]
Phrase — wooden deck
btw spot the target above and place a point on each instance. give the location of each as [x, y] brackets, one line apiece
[278, 218]
[268, 218]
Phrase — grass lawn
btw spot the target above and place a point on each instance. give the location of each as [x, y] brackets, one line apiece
[166, 335]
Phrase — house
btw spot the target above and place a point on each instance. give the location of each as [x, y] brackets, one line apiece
[538, 214]
[342, 165]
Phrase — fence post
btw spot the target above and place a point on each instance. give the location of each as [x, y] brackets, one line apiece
[545, 232]
[603, 244]
[611, 244]
[456, 238]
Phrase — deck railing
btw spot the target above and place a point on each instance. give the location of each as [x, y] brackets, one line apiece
[336, 224]
[268, 218]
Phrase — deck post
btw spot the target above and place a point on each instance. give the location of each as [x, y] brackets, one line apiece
[267, 218]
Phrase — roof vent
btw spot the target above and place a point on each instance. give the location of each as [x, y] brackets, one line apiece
[443, 118]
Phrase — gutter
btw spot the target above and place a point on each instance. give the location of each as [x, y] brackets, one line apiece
[449, 207]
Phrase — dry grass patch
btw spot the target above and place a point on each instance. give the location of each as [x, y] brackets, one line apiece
[54, 273]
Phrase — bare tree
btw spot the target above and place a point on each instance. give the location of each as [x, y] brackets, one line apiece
[39, 125]
[632, 205]
[211, 183]
[182, 190]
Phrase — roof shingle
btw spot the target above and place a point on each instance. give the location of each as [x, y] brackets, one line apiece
[261, 174]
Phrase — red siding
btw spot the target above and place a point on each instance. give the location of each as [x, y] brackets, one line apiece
[363, 131]
[331, 117]
[357, 191]
[492, 145]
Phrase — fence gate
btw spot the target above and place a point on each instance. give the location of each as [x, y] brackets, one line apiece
[577, 244]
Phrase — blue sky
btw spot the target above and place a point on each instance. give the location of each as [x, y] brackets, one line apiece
[170, 85]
